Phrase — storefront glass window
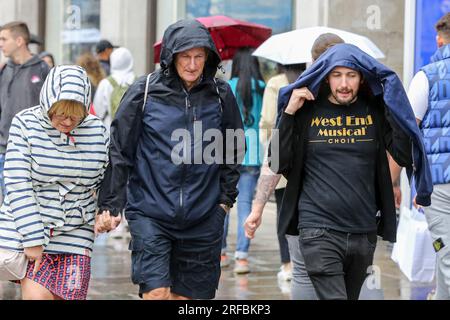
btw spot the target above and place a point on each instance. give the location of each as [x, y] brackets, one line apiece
[427, 14]
[81, 28]
[274, 14]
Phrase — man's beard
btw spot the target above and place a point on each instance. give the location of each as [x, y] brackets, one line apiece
[346, 102]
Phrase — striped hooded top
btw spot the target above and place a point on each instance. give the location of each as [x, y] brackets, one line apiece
[51, 177]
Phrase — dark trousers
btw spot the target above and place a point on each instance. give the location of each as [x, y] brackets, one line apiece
[337, 262]
[282, 241]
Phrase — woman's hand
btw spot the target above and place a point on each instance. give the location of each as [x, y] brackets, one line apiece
[104, 222]
[34, 254]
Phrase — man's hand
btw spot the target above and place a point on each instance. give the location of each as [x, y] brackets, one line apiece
[225, 208]
[104, 222]
[417, 206]
[34, 254]
[253, 221]
[297, 100]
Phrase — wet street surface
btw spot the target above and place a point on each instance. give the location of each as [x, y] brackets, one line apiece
[111, 271]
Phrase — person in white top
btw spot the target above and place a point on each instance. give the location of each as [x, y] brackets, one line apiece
[122, 72]
[430, 100]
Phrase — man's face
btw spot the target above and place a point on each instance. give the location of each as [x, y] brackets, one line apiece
[8, 44]
[441, 40]
[108, 52]
[344, 85]
[190, 64]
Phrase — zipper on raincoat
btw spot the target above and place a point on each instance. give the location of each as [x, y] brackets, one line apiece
[186, 114]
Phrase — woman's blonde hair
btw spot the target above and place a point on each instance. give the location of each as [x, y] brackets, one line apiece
[93, 68]
[68, 108]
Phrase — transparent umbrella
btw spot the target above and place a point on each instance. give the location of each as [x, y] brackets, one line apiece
[294, 47]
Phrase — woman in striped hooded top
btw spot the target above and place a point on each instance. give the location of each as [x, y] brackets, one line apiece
[55, 160]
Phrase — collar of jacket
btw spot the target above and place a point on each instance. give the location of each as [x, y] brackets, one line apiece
[32, 61]
[441, 54]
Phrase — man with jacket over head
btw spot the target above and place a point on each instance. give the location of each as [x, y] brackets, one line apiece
[175, 209]
[336, 123]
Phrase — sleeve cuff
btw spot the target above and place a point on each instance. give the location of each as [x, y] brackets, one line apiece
[114, 211]
[226, 202]
[34, 242]
[424, 201]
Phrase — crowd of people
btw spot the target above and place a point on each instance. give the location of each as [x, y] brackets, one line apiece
[89, 147]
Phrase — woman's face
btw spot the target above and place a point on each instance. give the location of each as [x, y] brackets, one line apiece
[64, 123]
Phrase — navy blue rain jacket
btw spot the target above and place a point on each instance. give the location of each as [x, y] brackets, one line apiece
[141, 176]
[382, 81]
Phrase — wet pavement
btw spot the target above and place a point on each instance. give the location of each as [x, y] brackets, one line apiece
[111, 271]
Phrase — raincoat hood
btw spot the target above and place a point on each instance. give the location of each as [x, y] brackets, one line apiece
[122, 64]
[65, 83]
[382, 81]
[185, 35]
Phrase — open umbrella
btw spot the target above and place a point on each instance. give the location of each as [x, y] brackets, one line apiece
[295, 46]
[229, 35]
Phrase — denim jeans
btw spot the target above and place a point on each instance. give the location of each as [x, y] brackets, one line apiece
[246, 186]
[337, 262]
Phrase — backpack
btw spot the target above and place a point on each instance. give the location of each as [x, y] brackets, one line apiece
[116, 95]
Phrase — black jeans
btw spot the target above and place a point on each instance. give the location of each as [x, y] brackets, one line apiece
[337, 262]
[282, 241]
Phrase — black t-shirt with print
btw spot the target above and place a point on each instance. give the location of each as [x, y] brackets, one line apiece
[338, 189]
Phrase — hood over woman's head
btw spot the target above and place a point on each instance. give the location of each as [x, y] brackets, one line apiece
[66, 83]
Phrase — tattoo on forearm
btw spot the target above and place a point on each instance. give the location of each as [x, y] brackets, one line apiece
[266, 185]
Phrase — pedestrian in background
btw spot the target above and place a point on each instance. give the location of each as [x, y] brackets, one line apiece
[430, 100]
[94, 71]
[288, 74]
[248, 86]
[21, 80]
[111, 89]
[48, 58]
[104, 49]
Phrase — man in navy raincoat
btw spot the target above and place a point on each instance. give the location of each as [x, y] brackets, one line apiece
[175, 209]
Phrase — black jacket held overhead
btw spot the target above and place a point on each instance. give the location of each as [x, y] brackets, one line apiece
[142, 176]
[293, 141]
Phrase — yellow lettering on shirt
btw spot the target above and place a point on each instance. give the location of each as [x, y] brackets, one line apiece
[343, 130]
